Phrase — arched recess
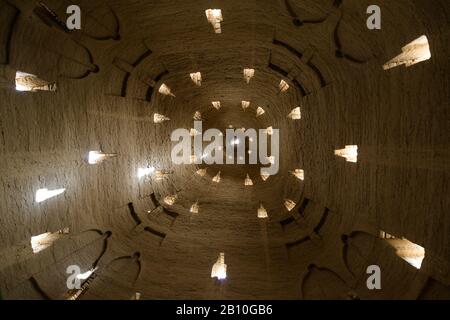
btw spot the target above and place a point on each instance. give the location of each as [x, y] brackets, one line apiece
[434, 290]
[323, 283]
[99, 21]
[120, 274]
[58, 54]
[362, 250]
[8, 15]
[84, 250]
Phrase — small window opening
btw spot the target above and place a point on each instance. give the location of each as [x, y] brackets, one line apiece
[245, 104]
[45, 240]
[265, 176]
[201, 172]
[405, 249]
[262, 212]
[350, 153]
[195, 207]
[30, 82]
[299, 174]
[159, 118]
[248, 181]
[96, 157]
[196, 77]
[170, 200]
[216, 178]
[283, 86]
[295, 114]
[214, 17]
[249, 74]
[260, 111]
[165, 90]
[219, 269]
[197, 116]
[45, 194]
[142, 172]
[414, 52]
[289, 204]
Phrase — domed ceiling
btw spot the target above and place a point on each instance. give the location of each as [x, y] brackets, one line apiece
[139, 226]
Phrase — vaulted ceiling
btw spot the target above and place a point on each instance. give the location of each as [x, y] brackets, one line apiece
[108, 75]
